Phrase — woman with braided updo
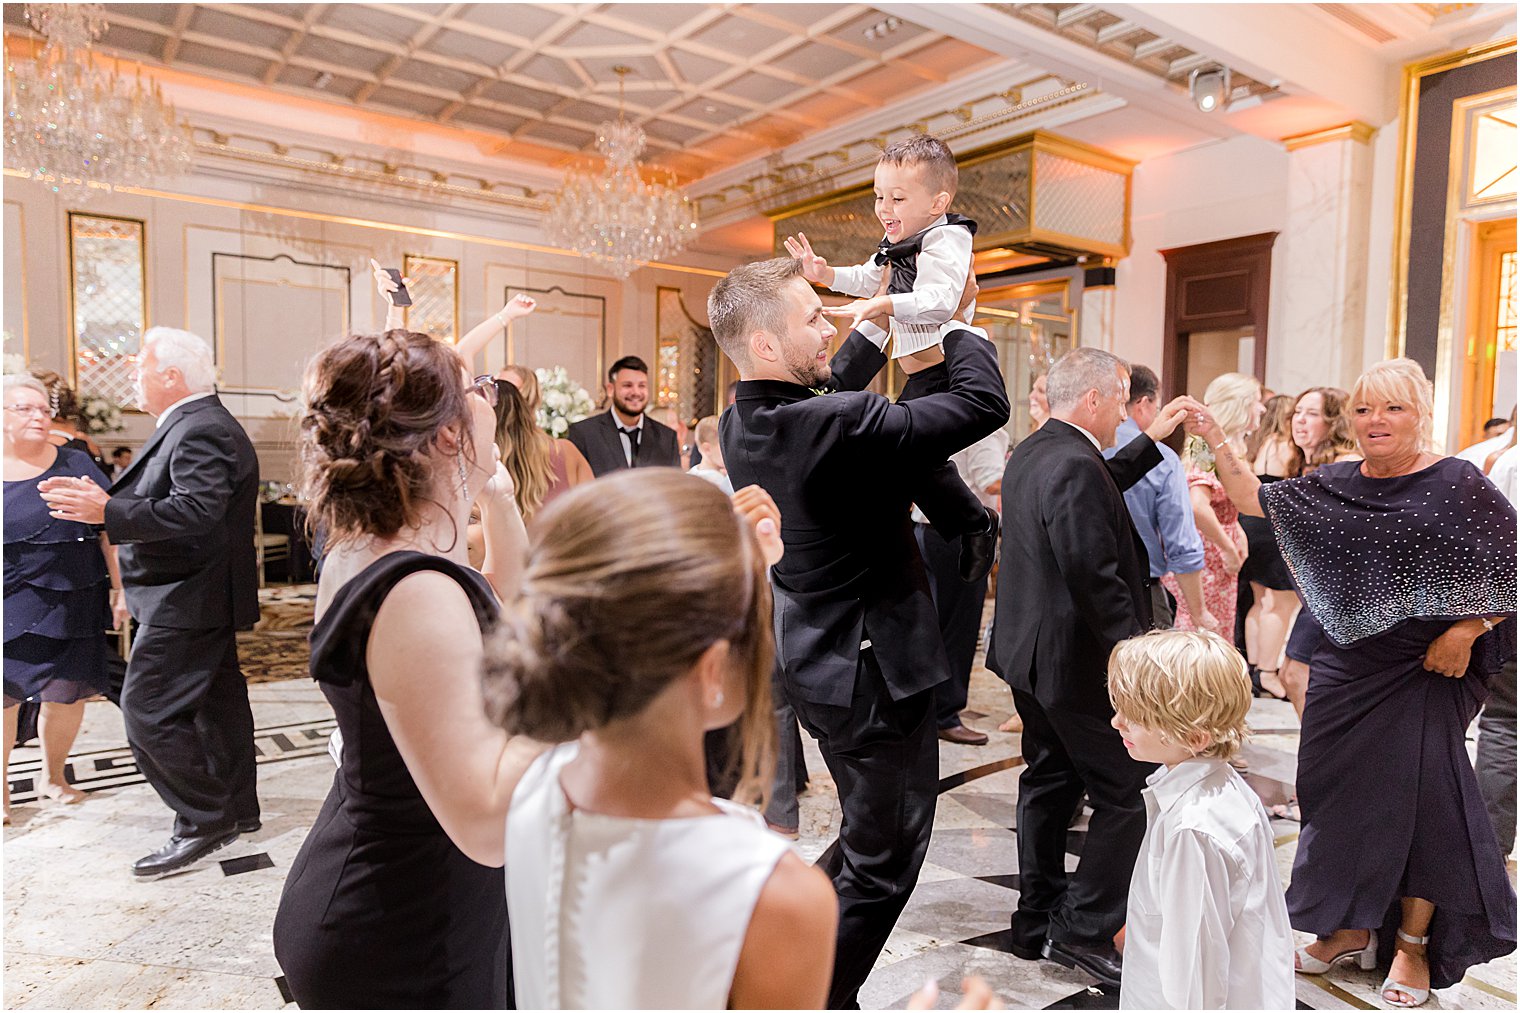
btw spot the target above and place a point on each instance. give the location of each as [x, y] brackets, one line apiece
[395, 899]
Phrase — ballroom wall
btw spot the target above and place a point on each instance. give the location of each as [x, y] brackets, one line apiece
[271, 247]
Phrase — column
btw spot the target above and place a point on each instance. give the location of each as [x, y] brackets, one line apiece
[1318, 329]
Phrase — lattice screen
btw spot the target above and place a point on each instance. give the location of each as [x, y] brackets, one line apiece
[109, 304]
[434, 286]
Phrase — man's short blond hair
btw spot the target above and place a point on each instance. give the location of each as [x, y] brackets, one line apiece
[1183, 685]
[750, 298]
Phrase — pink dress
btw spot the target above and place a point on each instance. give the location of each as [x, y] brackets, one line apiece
[1220, 586]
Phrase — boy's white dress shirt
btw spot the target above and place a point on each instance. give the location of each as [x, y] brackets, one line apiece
[1207, 924]
[921, 318]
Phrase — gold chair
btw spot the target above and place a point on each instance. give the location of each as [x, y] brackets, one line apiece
[270, 548]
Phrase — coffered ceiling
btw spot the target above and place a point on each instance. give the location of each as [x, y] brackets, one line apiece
[711, 84]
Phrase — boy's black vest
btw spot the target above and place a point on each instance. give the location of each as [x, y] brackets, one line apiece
[903, 255]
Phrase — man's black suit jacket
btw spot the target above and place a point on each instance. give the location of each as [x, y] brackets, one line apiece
[1074, 575]
[598, 440]
[183, 517]
[840, 467]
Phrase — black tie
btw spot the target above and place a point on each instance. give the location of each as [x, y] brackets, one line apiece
[633, 445]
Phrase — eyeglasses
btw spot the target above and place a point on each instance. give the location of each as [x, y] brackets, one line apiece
[485, 386]
[29, 409]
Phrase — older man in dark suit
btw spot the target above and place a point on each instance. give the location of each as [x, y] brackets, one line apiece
[183, 515]
[857, 638]
[623, 436]
[1073, 583]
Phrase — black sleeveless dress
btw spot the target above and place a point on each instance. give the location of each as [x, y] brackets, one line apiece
[381, 910]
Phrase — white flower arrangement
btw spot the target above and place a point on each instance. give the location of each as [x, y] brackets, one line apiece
[100, 414]
[563, 401]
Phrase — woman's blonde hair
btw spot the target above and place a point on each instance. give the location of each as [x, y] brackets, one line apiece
[629, 580]
[527, 383]
[523, 448]
[1185, 686]
[1399, 381]
[1231, 398]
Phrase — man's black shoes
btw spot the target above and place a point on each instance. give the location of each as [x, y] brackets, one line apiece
[979, 550]
[1101, 961]
[249, 826]
[181, 853]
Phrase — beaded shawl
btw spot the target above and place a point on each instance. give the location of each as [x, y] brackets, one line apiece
[1370, 553]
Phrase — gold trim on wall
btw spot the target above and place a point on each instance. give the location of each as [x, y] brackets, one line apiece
[1457, 226]
[1353, 131]
[367, 223]
[1409, 113]
[142, 253]
[26, 325]
[220, 323]
[243, 233]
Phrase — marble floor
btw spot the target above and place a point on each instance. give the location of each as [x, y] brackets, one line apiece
[80, 933]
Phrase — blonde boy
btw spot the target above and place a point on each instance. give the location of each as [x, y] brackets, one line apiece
[1207, 926]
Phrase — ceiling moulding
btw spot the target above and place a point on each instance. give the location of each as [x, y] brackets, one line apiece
[803, 177]
[1354, 131]
[399, 178]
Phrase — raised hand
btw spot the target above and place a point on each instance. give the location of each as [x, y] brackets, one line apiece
[75, 499]
[1168, 418]
[814, 268]
[1200, 422]
[384, 282]
[517, 307]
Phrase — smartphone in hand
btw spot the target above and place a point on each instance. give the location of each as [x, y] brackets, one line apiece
[400, 297]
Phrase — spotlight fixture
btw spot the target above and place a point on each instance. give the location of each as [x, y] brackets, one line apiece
[1209, 87]
[883, 28]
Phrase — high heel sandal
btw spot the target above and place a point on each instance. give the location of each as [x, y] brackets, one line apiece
[1417, 995]
[1364, 956]
[1265, 690]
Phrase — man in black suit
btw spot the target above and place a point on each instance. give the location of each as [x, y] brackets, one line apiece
[183, 515]
[622, 437]
[857, 638]
[1073, 583]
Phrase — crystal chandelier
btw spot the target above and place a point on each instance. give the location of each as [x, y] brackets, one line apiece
[79, 128]
[613, 215]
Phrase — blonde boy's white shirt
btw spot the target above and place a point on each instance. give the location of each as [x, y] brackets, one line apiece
[1207, 925]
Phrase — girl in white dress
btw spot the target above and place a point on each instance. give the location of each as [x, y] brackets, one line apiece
[644, 622]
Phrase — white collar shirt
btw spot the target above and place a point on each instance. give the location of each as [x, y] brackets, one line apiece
[622, 431]
[182, 401]
[1090, 437]
[1207, 925]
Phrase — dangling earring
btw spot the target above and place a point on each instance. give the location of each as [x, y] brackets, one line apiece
[464, 478]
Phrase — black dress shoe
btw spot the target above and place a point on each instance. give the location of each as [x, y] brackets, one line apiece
[252, 826]
[181, 853]
[1024, 952]
[1101, 961]
[979, 550]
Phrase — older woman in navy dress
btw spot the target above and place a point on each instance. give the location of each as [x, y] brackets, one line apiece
[56, 578]
[1407, 559]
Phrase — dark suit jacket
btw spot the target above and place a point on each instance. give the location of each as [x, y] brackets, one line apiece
[183, 517]
[840, 467]
[598, 440]
[1074, 576]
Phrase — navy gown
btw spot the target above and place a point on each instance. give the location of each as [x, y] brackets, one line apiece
[57, 594]
[1390, 800]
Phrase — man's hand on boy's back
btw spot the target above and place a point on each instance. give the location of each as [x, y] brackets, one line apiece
[814, 268]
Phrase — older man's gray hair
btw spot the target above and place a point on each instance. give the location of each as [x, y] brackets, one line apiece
[186, 352]
[1081, 370]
